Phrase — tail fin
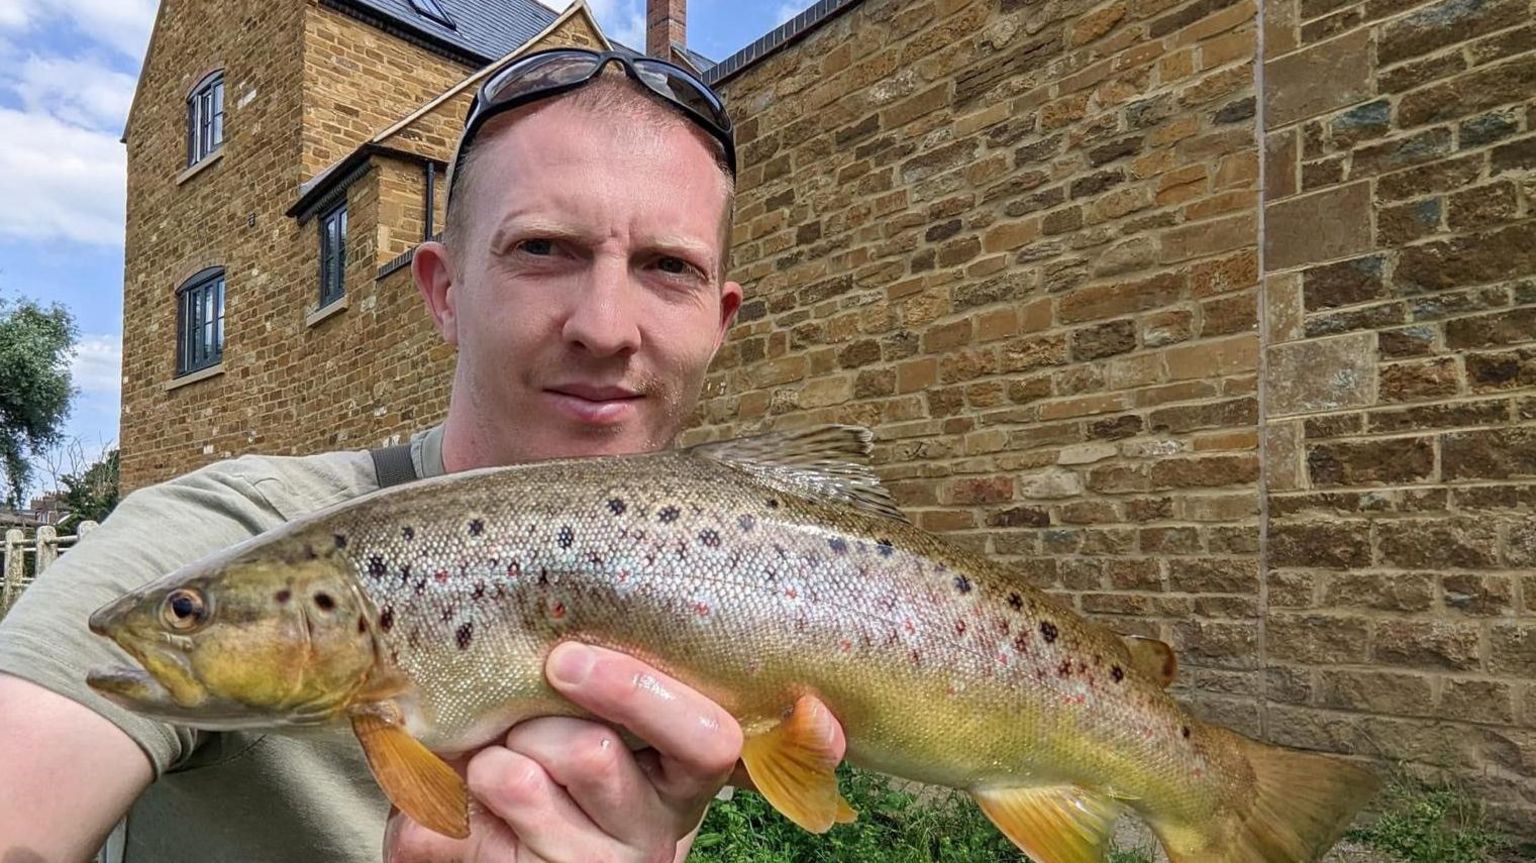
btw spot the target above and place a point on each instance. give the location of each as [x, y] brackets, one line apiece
[1300, 804]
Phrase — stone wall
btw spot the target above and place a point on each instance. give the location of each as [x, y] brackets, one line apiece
[1023, 240]
[1400, 277]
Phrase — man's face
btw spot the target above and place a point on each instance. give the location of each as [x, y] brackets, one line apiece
[588, 300]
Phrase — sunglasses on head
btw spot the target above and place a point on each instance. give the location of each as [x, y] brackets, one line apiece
[543, 74]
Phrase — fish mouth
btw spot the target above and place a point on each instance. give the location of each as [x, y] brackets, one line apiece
[128, 687]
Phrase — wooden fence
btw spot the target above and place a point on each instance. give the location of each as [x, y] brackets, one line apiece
[26, 559]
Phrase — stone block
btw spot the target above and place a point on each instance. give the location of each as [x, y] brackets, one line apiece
[1479, 595]
[1430, 179]
[1322, 374]
[1419, 380]
[1318, 79]
[1404, 223]
[1487, 206]
[1386, 461]
[1317, 639]
[1512, 650]
[1499, 453]
[1206, 575]
[1471, 93]
[1409, 592]
[1445, 543]
[1426, 645]
[1331, 224]
[1344, 283]
[1477, 701]
[1321, 545]
[1446, 23]
[1394, 693]
[1049, 485]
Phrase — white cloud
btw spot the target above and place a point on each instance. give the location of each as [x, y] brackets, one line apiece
[787, 11]
[97, 364]
[61, 181]
[122, 24]
[81, 92]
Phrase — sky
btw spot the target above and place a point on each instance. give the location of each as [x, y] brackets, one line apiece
[67, 74]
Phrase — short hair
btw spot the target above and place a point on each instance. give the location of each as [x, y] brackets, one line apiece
[612, 94]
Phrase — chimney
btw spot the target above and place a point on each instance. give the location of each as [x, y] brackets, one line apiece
[665, 26]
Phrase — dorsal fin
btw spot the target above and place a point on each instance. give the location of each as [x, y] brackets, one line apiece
[1152, 658]
[828, 463]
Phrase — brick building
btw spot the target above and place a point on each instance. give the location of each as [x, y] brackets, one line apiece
[1216, 317]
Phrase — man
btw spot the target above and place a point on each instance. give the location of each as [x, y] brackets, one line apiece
[581, 280]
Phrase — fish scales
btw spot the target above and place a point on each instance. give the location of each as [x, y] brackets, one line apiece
[742, 590]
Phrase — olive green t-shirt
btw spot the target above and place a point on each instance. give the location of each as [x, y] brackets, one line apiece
[217, 796]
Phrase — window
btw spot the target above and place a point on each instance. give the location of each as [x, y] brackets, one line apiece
[433, 10]
[205, 118]
[200, 321]
[333, 254]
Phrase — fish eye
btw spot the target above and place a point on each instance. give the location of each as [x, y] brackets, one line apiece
[184, 609]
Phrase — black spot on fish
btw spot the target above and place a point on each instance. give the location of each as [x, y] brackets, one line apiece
[448, 613]
[781, 550]
[362, 624]
[341, 540]
[709, 538]
[479, 590]
[567, 536]
[1116, 674]
[959, 627]
[1015, 601]
[773, 503]
[543, 577]
[514, 569]
[421, 585]
[838, 544]
[387, 619]
[464, 634]
[962, 584]
[1185, 731]
[282, 596]
[309, 552]
[617, 506]
[886, 547]
[668, 514]
[1048, 631]
[746, 522]
[1065, 669]
[324, 602]
[408, 532]
[376, 566]
[1021, 642]
[595, 559]
[476, 527]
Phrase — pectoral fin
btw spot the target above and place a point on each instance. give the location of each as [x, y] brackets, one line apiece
[421, 784]
[1058, 824]
[794, 767]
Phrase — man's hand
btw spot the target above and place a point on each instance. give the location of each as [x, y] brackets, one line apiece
[563, 790]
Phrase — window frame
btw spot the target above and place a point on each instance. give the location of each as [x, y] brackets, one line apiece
[433, 11]
[205, 117]
[200, 306]
[333, 261]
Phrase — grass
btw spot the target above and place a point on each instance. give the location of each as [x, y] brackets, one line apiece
[1431, 824]
[894, 826]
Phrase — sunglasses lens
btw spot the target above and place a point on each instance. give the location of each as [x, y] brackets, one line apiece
[670, 84]
[540, 73]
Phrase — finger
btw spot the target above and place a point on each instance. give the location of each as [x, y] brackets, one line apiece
[598, 772]
[698, 741]
[519, 791]
[406, 841]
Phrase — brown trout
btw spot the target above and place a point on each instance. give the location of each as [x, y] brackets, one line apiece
[772, 573]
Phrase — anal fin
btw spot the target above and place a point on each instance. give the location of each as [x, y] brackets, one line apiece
[794, 767]
[1056, 824]
[421, 784]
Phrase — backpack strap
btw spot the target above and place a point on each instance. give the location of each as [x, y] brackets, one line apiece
[393, 465]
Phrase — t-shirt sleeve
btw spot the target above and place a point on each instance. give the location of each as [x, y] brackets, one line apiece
[44, 638]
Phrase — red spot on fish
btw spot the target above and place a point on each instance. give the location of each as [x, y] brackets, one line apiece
[959, 627]
[907, 624]
[441, 575]
[1021, 642]
[701, 609]
[557, 611]
[1003, 625]
[1199, 773]
[1002, 659]
[1065, 669]
[623, 575]
[791, 592]
[846, 645]
[1078, 698]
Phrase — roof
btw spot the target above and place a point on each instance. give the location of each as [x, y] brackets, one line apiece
[483, 29]
[701, 64]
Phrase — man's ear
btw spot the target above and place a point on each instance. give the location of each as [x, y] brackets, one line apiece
[730, 303]
[433, 273]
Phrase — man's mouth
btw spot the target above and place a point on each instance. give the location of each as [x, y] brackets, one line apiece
[595, 405]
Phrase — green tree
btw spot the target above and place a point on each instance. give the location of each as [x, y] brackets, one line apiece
[35, 391]
[92, 493]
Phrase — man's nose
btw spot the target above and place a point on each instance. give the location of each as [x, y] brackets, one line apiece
[603, 313]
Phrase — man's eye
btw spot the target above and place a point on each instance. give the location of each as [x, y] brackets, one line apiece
[538, 247]
[675, 266]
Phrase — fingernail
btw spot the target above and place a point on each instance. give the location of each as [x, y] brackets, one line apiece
[569, 664]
